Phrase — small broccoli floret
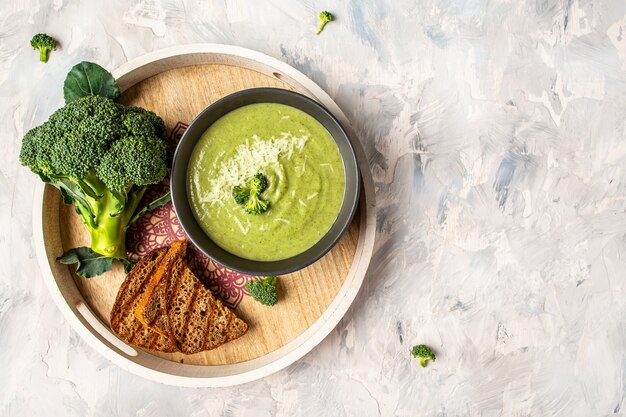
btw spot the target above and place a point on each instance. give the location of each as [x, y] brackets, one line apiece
[263, 290]
[241, 194]
[424, 353]
[44, 43]
[325, 17]
[256, 205]
[250, 197]
[101, 156]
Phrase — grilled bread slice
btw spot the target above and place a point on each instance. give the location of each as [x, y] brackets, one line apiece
[151, 309]
[123, 319]
[199, 320]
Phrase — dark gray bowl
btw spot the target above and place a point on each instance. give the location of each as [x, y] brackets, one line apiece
[188, 142]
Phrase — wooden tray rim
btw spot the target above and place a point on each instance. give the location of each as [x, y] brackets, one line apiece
[99, 336]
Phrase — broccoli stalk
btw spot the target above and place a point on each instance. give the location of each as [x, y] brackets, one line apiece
[105, 214]
[101, 156]
[264, 290]
[44, 43]
[256, 205]
[109, 216]
[325, 17]
[424, 353]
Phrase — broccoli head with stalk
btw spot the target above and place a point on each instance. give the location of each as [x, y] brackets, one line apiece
[325, 17]
[101, 156]
[264, 290]
[45, 43]
[424, 353]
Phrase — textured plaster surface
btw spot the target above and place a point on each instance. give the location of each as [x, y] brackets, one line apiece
[495, 132]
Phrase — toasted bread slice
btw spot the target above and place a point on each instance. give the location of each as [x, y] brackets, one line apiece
[123, 320]
[150, 310]
[199, 320]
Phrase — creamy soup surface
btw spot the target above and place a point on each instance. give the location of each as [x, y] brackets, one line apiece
[305, 181]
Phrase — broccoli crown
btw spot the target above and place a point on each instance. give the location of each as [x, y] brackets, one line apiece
[42, 40]
[241, 194]
[44, 43]
[121, 145]
[424, 353]
[326, 16]
[264, 290]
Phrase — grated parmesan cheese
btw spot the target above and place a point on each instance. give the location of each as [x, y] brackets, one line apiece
[279, 219]
[217, 158]
[248, 159]
[310, 196]
[329, 166]
[243, 229]
[301, 169]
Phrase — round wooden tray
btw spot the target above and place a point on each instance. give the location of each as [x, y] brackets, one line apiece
[177, 84]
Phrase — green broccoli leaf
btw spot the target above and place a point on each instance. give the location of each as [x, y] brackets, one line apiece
[89, 263]
[160, 201]
[67, 198]
[89, 79]
[128, 264]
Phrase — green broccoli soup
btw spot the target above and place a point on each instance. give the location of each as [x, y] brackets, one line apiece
[266, 181]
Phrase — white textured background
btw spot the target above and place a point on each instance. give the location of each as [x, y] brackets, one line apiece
[495, 131]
